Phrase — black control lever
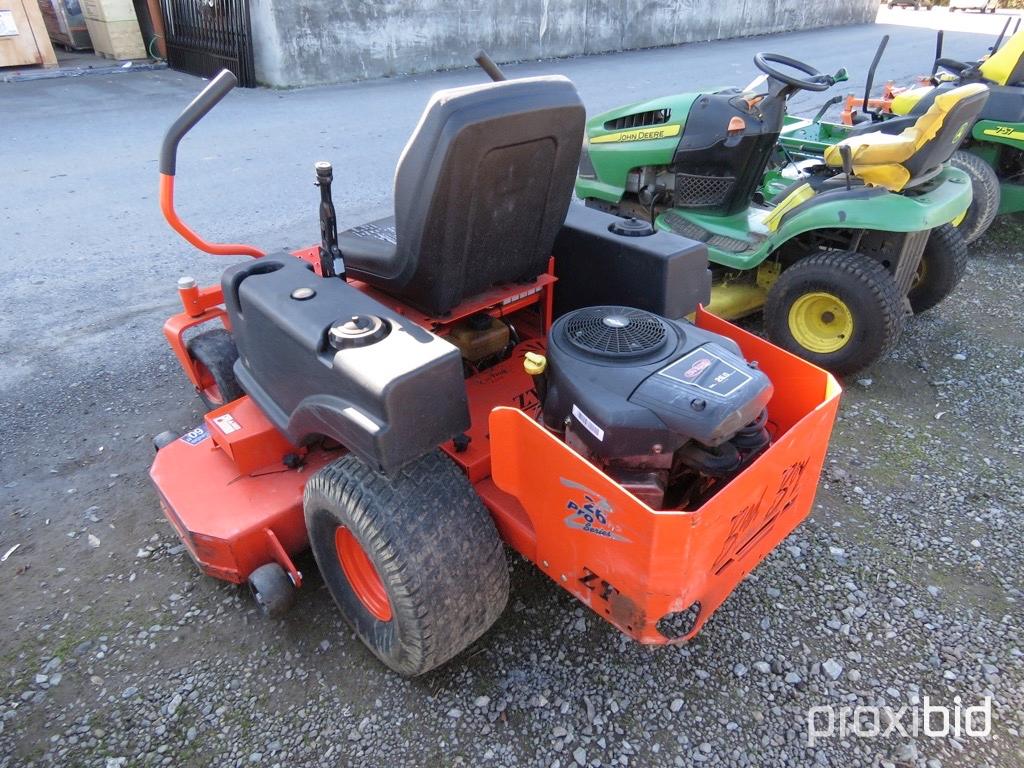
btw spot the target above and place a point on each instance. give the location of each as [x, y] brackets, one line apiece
[332, 263]
[847, 155]
[938, 52]
[487, 65]
[825, 108]
[875, 115]
[999, 40]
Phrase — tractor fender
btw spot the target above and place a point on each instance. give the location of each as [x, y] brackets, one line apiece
[878, 209]
[1010, 134]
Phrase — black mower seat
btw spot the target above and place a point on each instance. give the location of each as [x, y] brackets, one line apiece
[481, 190]
[896, 161]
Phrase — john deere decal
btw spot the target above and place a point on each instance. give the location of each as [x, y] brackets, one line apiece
[637, 134]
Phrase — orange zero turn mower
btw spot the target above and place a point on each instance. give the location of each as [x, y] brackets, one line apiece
[489, 367]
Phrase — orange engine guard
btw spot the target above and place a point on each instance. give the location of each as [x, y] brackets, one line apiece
[659, 575]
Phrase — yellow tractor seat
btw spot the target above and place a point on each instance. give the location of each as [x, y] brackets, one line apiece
[896, 161]
[1006, 66]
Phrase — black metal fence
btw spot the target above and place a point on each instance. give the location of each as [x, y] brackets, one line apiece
[206, 36]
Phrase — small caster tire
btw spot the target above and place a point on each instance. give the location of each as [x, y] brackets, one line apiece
[272, 589]
[164, 439]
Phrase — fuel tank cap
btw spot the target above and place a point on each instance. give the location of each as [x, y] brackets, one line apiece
[631, 227]
[357, 331]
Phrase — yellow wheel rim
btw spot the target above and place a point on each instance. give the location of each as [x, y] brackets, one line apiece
[821, 322]
[960, 219]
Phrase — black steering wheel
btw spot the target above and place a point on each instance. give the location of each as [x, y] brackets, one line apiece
[815, 81]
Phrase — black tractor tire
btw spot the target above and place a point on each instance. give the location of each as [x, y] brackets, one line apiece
[216, 351]
[866, 288]
[943, 264]
[272, 589]
[985, 186]
[432, 545]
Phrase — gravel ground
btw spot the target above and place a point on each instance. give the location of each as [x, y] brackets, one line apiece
[905, 583]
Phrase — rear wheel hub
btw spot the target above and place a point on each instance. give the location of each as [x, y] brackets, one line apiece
[821, 322]
[361, 575]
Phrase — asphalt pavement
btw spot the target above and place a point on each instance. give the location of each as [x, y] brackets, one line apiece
[904, 587]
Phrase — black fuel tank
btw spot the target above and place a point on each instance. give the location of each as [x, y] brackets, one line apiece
[322, 358]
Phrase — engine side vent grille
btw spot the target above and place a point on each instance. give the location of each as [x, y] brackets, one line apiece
[615, 331]
[639, 120]
[694, 190]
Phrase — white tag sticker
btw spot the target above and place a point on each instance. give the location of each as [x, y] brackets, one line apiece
[587, 422]
[227, 423]
[7, 26]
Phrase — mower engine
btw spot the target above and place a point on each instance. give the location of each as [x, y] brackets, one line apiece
[670, 411]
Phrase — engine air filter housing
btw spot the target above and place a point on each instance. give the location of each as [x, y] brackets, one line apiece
[615, 332]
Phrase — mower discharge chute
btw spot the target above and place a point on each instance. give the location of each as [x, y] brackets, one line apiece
[423, 388]
[836, 262]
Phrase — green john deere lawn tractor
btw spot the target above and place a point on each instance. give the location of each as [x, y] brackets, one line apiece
[836, 260]
[992, 153]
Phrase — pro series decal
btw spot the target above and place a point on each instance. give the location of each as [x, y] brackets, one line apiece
[590, 512]
[637, 134]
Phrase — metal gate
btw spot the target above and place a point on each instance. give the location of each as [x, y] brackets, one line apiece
[205, 36]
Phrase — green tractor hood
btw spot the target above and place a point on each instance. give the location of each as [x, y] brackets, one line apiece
[645, 133]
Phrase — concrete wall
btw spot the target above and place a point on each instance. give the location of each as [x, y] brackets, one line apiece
[305, 42]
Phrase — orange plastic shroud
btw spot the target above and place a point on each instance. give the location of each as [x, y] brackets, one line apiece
[233, 487]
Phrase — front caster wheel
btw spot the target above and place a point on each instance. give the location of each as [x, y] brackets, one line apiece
[215, 353]
[272, 589]
[164, 439]
[412, 558]
[942, 266]
[840, 310]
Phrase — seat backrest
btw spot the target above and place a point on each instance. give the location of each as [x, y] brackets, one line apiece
[940, 130]
[894, 161]
[1006, 66]
[481, 189]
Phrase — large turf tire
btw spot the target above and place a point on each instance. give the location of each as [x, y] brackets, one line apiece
[216, 353]
[985, 187]
[943, 264]
[432, 545]
[866, 289]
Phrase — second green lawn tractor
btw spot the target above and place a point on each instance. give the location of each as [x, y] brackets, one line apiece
[839, 258]
[992, 153]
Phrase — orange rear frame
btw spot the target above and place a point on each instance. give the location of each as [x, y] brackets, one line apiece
[233, 487]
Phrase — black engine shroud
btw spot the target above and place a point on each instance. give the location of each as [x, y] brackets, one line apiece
[631, 383]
